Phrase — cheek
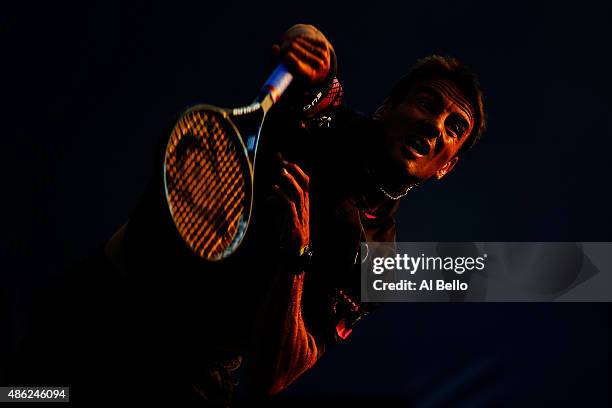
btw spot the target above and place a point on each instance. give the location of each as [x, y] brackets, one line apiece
[447, 150]
[439, 158]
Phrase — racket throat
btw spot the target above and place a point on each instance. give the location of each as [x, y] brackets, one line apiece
[250, 124]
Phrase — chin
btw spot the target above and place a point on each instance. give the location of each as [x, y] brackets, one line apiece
[412, 173]
[406, 172]
[400, 170]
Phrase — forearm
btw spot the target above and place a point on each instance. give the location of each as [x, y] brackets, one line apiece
[282, 347]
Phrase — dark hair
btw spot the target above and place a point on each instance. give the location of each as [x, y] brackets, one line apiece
[449, 68]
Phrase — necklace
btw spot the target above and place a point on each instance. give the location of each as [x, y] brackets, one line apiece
[385, 192]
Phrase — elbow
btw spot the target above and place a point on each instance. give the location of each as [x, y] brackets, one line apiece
[277, 388]
[302, 361]
[282, 381]
[286, 372]
[265, 387]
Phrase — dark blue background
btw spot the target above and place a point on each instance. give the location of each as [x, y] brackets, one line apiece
[90, 87]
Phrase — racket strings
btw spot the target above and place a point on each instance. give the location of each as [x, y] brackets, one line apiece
[216, 218]
[206, 182]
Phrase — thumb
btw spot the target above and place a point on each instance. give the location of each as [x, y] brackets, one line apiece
[276, 49]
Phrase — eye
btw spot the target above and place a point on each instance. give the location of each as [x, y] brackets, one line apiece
[425, 104]
[457, 129]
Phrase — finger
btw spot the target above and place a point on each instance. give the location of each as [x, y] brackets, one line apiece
[292, 182]
[296, 171]
[316, 42]
[298, 66]
[298, 174]
[282, 195]
[307, 56]
[318, 50]
[309, 42]
[287, 200]
[293, 188]
[276, 49]
[294, 214]
[281, 159]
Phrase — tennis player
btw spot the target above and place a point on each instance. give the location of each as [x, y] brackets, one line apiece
[158, 323]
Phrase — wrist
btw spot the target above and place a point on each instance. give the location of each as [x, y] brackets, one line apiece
[298, 261]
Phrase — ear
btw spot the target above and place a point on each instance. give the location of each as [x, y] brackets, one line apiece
[447, 167]
[381, 111]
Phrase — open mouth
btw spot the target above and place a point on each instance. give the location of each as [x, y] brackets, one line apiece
[418, 144]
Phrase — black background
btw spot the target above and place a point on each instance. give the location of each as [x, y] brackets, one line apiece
[89, 88]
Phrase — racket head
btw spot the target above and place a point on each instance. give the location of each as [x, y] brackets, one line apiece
[208, 182]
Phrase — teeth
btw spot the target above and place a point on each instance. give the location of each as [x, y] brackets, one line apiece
[417, 143]
[420, 145]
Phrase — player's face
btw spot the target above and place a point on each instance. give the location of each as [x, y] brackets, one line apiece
[423, 133]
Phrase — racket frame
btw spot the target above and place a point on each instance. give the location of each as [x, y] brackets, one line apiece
[271, 91]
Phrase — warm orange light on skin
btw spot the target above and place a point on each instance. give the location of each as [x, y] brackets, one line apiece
[438, 116]
[298, 350]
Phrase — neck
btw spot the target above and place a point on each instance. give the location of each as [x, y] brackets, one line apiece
[366, 171]
[370, 195]
[370, 192]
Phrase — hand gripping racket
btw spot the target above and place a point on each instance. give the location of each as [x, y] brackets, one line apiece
[209, 170]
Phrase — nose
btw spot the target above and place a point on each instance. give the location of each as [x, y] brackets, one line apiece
[431, 128]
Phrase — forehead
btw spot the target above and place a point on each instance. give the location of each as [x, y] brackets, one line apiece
[451, 95]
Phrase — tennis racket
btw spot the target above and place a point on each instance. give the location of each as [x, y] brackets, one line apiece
[209, 169]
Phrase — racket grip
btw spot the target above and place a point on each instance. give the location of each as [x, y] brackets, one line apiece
[277, 82]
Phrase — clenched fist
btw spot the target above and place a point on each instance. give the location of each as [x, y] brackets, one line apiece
[306, 52]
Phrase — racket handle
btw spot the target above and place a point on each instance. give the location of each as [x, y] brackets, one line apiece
[277, 82]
